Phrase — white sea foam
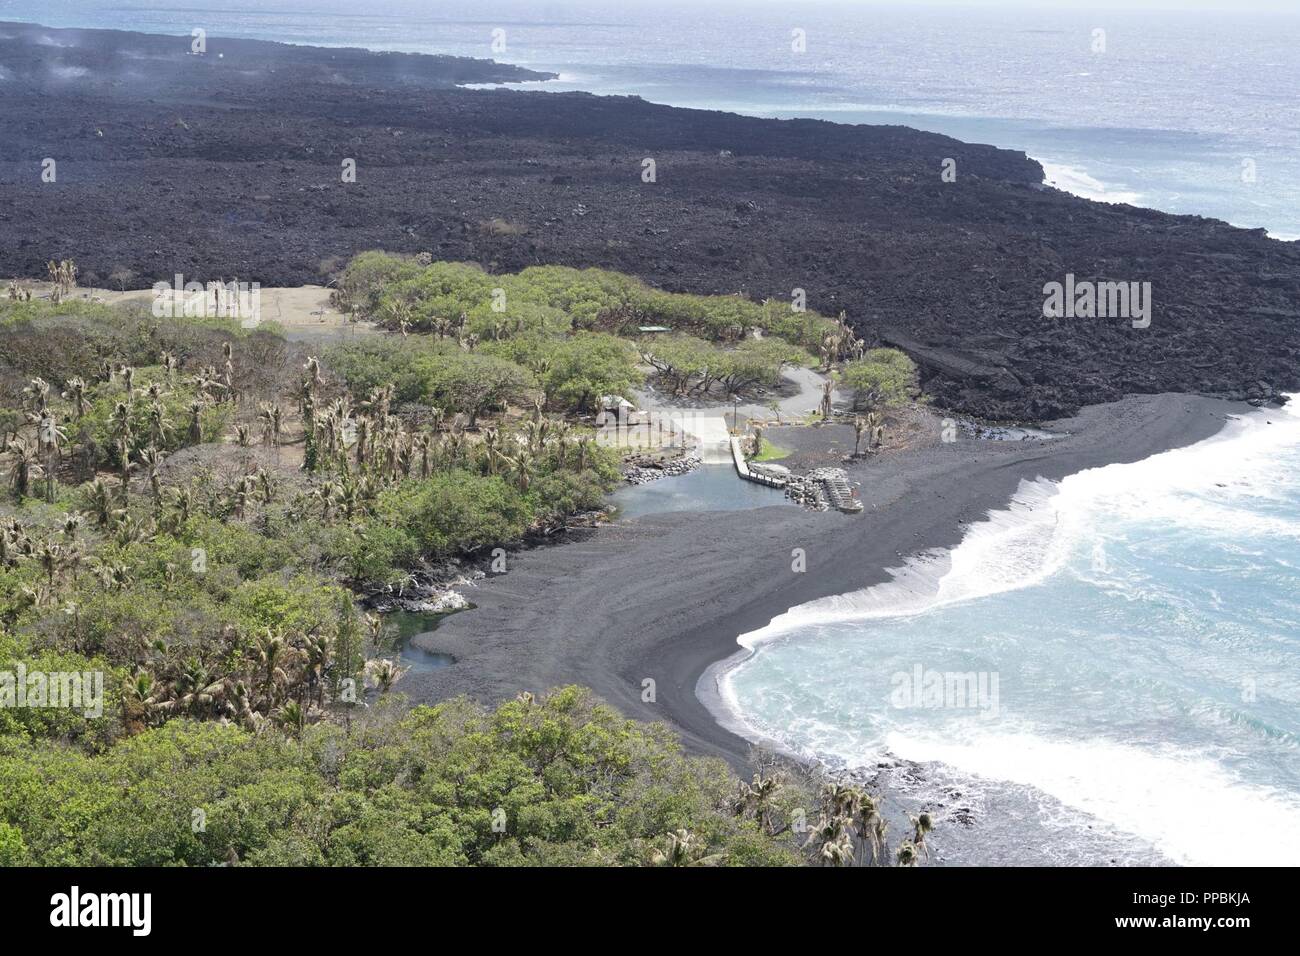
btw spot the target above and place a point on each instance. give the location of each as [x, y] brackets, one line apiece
[1075, 181]
[1030, 539]
[1194, 809]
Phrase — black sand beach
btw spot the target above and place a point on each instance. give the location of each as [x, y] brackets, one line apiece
[664, 597]
[227, 170]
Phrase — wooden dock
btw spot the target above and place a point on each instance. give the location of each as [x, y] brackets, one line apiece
[743, 469]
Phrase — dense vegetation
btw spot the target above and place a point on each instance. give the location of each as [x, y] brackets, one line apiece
[581, 333]
[460, 298]
[193, 511]
[558, 781]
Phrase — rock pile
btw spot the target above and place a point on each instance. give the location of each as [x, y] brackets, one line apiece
[432, 590]
[818, 489]
[646, 469]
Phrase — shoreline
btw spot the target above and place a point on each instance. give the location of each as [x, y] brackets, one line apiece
[664, 598]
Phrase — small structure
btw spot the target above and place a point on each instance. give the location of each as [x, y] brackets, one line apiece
[652, 329]
[616, 404]
[753, 474]
[615, 409]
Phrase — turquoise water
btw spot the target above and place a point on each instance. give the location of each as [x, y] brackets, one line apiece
[1167, 116]
[707, 488]
[1133, 633]
[401, 626]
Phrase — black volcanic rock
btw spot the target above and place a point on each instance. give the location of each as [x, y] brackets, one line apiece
[214, 168]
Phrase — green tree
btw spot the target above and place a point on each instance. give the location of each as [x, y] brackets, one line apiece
[881, 378]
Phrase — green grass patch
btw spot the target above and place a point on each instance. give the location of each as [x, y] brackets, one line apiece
[771, 452]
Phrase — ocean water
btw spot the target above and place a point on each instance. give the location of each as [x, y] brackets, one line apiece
[1107, 670]
[1188, 110]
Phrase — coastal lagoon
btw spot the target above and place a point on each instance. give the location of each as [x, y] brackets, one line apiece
[403, 626]
[1106, 671]
[707, 488]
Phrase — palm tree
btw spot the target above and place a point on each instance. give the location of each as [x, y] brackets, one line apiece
[76, 393]
[266, 485]
[182, 503]
[291, 717]
[921, 825]
[71, 525]
[833, 840]
[49, 436]
[119, 422]
[326, 494]
[25, 466]
[37, 393]
[152, 460]
[875, 425]
[907, 855]
[113, 576]
[756, 798]
[159, 423]
[170, 366]
[195, 433]
[241, 492]
[270, 652]
[316, 650]
[585, 444]
[491, 448]
[523, 468]
[385, 674]
[237, 704]
[684, 849]
[194, 688]
[349, 496]
[561, 433]
[99, 503]
[842, 799]
[140, 700]
[869, 828]
[423, 444]
[271, 424]
[51, 557]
